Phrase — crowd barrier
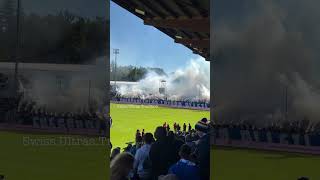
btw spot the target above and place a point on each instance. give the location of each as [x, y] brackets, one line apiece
[266, 140]
[164, 103]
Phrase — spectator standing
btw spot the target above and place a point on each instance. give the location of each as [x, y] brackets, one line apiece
[160, 152]
[114, 153]
[175, 127]
[138, 144]
[190, 143]
[184, 168]
[121, 166]
[165, 125]
[175, 143]
[142, 163]
[184, 127]
[142, 134]
[179, 128]
[203, 148]
[138, 133]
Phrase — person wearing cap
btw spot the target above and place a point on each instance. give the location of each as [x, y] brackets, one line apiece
[184, 168]
[203, 148]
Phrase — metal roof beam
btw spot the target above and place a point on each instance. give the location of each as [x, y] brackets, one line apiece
[182, 8]
[195, 43]
[201, 11]
[166, 8]
[195, 25]
[146, 6]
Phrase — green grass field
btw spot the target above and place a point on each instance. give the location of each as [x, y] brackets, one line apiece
[226, 164]
[20, 160]
[82, 162]
[128, 118]
[229, 164]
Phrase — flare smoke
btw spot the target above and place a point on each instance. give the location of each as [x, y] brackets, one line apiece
[69, 90]
[266, 60]
[191, 82]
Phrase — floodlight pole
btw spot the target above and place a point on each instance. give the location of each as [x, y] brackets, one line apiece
[17, 53]
[17, 47]
[115, 52]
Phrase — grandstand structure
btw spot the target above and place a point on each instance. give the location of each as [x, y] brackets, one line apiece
[187, 22]
[50, 75]
[43, 84]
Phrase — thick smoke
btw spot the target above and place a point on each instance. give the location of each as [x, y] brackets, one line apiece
[67, 91]
[191, 82]
[265, 61]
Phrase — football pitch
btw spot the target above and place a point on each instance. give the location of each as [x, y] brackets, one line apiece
[127, 118]
[226, 163]
[19, 160]
[27, 156]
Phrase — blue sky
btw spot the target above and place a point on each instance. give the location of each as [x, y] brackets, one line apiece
[144, 45]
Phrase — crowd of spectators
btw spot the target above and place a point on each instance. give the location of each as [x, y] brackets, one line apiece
[159, 101]
[303, 126]
[29, 114]
[182, 154]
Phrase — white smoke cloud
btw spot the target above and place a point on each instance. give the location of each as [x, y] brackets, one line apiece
[66, 88]
[189, 82]
[306, 99]
[263, 49]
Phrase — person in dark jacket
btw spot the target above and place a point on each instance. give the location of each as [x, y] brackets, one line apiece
[114, 153]
[189, 127]
[203, 148]
[121, 166]
[176, 144]
[160, 153]
[168, 127]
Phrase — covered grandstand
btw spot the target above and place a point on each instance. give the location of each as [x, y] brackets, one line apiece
[187, 22]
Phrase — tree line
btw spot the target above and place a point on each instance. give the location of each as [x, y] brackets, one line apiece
[53, 38]
[132, 73]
